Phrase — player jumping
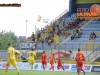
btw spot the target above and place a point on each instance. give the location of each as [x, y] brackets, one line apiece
[52, 60]
[44, 60]
[11, 58]
[31, 55]
[59, 62]
[79, 62]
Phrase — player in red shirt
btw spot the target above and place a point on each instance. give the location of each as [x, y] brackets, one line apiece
[79, 62]
[52, 60]
[44, 59]
[59, 62]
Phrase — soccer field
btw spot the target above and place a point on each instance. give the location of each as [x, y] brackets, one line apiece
[13, 72]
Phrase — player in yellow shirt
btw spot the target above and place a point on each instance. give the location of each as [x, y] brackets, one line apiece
[11, 60]
[31, 55]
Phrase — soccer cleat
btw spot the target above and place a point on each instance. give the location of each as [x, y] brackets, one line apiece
[18, 73]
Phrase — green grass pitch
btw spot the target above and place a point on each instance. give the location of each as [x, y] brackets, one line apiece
[29, 72]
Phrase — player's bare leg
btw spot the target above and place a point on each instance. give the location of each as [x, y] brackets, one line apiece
[78, 71]
[31, 65]
[82, 70]
[52, 67]
[6, 69]
[43, 67]
[16, 68]
[63, 68]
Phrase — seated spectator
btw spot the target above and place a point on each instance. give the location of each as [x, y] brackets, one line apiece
[72, 37]
[89, 40]
[67, 33]
[77, 35]
[80, 32]
[98, 19]
[49, 41]
[92, 35]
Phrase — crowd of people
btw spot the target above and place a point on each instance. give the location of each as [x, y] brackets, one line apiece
[51, 33]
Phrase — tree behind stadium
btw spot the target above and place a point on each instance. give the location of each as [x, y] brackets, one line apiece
[8, 37]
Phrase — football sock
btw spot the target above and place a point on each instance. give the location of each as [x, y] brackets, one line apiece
[17, 69]
[6, 69]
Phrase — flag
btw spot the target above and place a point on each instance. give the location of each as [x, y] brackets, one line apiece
[39, 18]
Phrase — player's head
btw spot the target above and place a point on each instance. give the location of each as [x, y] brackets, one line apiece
[32, 49]
[9, 44]
[53, 54]
[43, 51]
[78, 50]
[59, 56]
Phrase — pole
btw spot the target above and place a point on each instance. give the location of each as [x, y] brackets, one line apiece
[35, 26]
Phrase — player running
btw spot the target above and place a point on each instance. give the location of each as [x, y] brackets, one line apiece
[79, 62]
[31, 55]
[11, 60]
[44, 60]
[52, 60]
[59, 63]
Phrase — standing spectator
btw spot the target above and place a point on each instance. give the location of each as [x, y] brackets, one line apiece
[92, 35]
[33, 38]
[57, 23]
[63, 22]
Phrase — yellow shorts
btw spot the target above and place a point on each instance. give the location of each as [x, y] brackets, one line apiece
[31, 61]
[11, 62]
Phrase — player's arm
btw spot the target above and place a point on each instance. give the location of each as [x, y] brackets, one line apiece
[62, 61]
[83, 57]
[34, 54]
[55, 59]
[76, 57]
[9, 53]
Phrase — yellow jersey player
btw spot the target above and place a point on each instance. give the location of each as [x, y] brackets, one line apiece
[11, 60]
[31, 55]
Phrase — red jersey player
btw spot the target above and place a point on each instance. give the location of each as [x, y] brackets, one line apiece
[44, 59]
[59, 62]
[52, 60]
[79, 61]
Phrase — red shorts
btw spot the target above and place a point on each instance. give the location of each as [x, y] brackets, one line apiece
[59, 65]
[51, 62]
[79, 64]
[44, 63]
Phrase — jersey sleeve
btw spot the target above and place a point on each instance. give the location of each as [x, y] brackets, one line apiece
[35, 53]
[9, 50]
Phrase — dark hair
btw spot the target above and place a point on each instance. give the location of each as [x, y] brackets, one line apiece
[32, 49]
[43, 51]
[53, 54]
[78, 50]
[9, 44]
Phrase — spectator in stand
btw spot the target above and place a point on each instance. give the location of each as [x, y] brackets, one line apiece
[92, 35]
[33, 38]
[63, 22]
[89, 40]
[67, 33]
[98, 19]
[56, 39]
[49, 41]
[80, 31]
[57, 23]
[77, 35]
[51, 29]
[72, 37]
[36, 37]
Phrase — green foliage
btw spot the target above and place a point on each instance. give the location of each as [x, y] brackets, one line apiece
[8, 37]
